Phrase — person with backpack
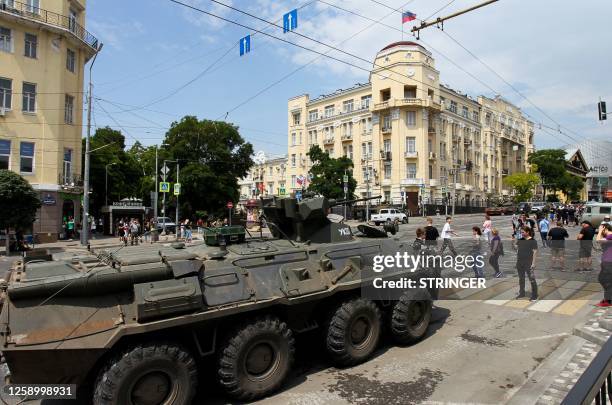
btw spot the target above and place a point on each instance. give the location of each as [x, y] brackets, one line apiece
[604, 237]
[497, 249]
[487, 225]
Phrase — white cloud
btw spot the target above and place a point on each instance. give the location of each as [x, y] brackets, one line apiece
[115, 34]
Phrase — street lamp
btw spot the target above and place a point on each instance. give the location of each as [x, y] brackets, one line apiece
[106, 182]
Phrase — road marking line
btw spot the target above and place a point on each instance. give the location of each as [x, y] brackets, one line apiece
[539, 337]
[564, 293]
[543, 290]
[508, 295]
[576, 301]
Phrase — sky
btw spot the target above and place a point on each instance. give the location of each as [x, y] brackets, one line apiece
[162, 61]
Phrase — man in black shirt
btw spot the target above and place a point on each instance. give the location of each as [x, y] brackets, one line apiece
[431, 234]
[525, 263]
[557, 236]
[585, 238]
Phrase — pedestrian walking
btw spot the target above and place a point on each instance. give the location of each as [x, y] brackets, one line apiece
[134, 231]
[419, 242]
[431, 234]
[585, 241]
[604, 238]
[475, 251]
[487, 225]
[447, 234]
[526, 263]
[544, 227]
[557, 236]
[497, 249]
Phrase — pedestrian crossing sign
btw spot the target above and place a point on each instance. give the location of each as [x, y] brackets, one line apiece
[164, 187]
[177, 188]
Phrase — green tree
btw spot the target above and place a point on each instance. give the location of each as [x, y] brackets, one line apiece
[327, 174]
[522, 184]
[124, 169]
[212, 157]
[571, 185]
[19, 203]
[550, 165]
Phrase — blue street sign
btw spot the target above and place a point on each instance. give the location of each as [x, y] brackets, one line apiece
[298, 195]
[290, 21]
[245, 45]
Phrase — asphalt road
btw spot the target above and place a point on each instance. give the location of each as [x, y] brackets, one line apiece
[478, 350]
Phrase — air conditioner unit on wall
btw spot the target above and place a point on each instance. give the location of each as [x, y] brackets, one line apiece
[2, 112]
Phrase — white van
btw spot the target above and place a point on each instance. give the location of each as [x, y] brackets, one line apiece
[595, 212]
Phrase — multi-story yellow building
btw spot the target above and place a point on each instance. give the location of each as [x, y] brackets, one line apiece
[411, 138]
[266, 178]
[43, 50]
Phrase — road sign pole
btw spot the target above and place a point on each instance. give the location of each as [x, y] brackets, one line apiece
[176, 230]
[155, 214]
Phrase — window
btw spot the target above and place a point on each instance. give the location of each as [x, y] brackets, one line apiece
[429, 146]
[296, 118]
[387, 145]
[5, 93]
[442, 101]
[464, 112]
[347, 106]
[453, 106]
[605, 210]
[270, 171]
[293, 180]
[67, 165]
[366, 150]
[5, 154]
[313, 115]
[410, 144]
[330, 151]
[293, 160]
[385, 95]
[388, 200]
[411, 118]
[33, 6]
[26, 155]
[72, 20]
[6, 43]
[365, 101]
[31, 45]
[387, 171]
[300, 138]
[411, 170]
[70, 60]
[348, 151]
[29, 97]
[488, 119]
[410, 91]
[68, 109]
[293, 139]
[475, 116]
[329, 111]
[387, 123]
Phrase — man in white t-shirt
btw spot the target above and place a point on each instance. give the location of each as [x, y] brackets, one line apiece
[447, 234]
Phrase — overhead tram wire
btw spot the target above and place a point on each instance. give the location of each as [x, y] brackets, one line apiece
[208, 68]
[306, 64]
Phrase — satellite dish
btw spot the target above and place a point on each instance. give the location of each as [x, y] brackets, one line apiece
[410, 72]
[260, 157]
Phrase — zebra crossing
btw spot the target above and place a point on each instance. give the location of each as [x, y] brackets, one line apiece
[558, 296]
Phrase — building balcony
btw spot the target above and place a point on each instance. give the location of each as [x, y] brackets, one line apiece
[431, 131]
[458, 186]
[347, 137]
[432, 155]
[52, 20]
[404, 102]
[69, 181]
[434, 182]
[505, 172]
[468, 187]
[411, 155]
[386, 130]
[411, 182]
[328, 141]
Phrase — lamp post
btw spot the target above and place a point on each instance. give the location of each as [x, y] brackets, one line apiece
[85, 221]
[106, 182]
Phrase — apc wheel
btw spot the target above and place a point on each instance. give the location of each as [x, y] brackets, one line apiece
[405, 220]
[353, 332]
[148, 374]
[410, 319]
[376, 223]
[256, 358]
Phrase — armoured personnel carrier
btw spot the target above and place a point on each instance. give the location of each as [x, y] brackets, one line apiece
[135, 325]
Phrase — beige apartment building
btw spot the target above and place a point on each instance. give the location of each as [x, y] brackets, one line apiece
[266, 178]
[43, 50]
[411, 138]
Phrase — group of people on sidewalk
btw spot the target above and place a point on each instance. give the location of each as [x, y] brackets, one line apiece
[526, 246]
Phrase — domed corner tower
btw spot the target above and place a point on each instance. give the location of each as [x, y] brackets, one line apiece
[406, 105]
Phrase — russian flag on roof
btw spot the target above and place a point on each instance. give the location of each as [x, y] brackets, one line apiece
[408, 16]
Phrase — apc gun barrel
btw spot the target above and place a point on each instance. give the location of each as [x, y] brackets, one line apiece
[88, 284]
[340, 202]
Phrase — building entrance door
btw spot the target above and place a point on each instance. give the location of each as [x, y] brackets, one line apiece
[412, 201]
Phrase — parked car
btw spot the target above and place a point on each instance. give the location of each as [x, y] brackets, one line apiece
[537, 207]
[494, 211]
[595, 212]
[167, 222]
[389, 214]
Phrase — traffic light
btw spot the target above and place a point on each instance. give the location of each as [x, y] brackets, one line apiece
[601, 106]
